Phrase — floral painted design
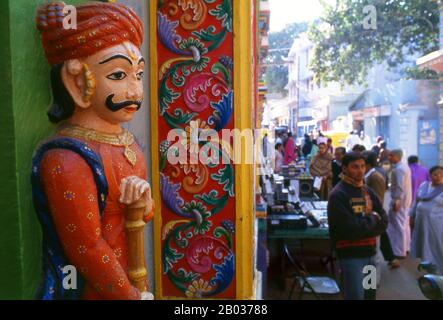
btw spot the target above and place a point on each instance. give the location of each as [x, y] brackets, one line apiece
[71, 227]
[198, 289]
[118, 252]
[69, 195]
[56, 171]
[82, 249]
[195, 50]
[106, 259]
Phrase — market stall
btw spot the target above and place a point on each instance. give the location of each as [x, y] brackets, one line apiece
[297, 223]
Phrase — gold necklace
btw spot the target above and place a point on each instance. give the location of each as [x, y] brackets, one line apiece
[124, 139]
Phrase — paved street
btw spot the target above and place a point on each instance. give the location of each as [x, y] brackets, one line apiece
[401, 283]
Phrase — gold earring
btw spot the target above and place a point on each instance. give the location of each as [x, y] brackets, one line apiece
[90, 83]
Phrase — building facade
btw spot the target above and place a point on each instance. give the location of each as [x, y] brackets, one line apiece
[434, 61]
[404, 113]
[315, 106]
[299, 84]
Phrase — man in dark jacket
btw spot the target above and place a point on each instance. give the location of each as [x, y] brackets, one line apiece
[356, 217]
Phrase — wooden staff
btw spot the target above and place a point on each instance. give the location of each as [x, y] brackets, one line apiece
[136, 250]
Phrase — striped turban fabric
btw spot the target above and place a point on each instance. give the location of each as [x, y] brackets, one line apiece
[99, 26]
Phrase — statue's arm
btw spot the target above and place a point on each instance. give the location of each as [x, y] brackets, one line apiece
[72, 196]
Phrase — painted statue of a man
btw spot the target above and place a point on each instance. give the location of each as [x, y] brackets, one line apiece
[91, 171]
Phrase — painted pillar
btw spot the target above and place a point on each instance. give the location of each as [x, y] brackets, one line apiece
[201, 78]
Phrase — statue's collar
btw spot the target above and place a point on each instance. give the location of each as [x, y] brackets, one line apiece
[124, 139]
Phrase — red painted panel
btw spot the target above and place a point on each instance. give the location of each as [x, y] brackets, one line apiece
[195, 60]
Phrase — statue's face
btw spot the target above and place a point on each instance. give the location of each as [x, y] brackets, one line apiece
[118, 74]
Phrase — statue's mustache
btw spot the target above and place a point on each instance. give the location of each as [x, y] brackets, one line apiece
[116, 106]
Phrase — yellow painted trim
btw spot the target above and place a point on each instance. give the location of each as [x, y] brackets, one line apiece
[243, 109]
[154, 143]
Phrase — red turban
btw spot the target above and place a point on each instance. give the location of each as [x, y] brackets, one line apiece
[99, 26]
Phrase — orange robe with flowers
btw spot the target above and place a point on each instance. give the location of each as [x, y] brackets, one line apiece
[95, 245]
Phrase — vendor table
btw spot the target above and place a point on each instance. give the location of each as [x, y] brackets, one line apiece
[303, 234]
[282, 236]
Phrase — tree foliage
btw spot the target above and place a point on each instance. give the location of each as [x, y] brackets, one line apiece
[346, 49]
[279, 44]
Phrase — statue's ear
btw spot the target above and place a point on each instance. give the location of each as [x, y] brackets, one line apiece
[74, 80]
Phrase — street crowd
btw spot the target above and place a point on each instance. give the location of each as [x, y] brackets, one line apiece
[354, 181]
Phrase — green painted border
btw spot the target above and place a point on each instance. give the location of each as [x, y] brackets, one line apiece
[25, 97]
[10, 264]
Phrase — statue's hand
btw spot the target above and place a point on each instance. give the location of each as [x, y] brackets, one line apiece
[147, 296]
[133, 189]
